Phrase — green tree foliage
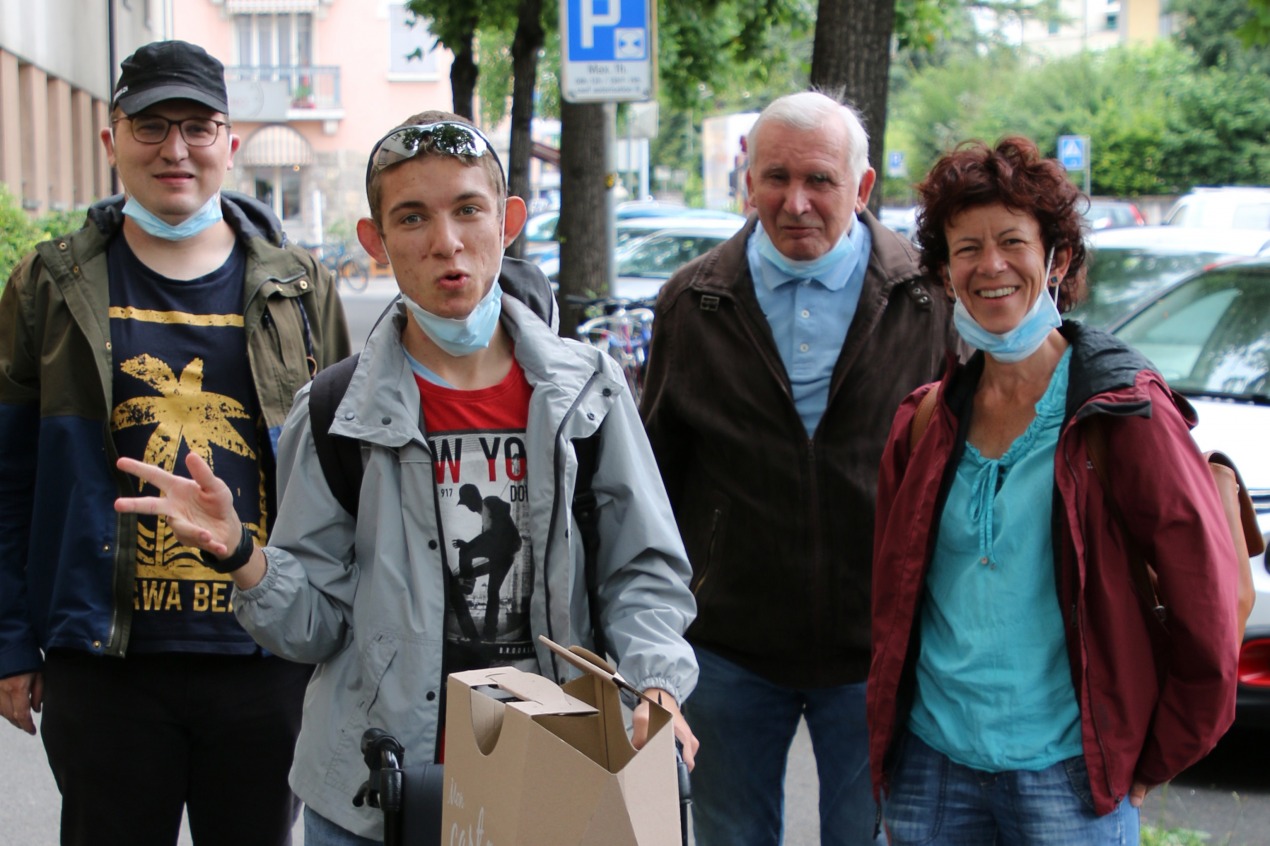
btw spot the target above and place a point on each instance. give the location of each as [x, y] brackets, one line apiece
[1225, 32]
[1256, 30]
[19, 233]
[1158, 120]
[1216, 130]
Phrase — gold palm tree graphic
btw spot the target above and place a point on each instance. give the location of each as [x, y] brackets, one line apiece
[181, 412]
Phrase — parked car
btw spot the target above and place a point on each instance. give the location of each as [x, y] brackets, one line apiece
[638, 227]
[901, 221]
[1130, 264]
[1210, 337]
[657, 208]
[1112, 214]
[1223, 208]
[643, 264]
[540, 234]
[542, 239]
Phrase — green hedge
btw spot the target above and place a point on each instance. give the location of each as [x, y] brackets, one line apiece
[19, 233]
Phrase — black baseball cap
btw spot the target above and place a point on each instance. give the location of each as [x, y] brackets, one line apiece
[170, 70]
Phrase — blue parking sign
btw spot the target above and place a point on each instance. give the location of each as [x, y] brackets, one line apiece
[1071, 151]
[607, 50]
[607, 30]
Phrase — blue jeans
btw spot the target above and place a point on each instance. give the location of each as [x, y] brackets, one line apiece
[933, 800]
[746, 725]
[319, 831]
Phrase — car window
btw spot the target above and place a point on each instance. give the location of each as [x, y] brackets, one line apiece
[1120, 279]
[1252, 216]
[659, 256]
[1211, 334]
[541, 227]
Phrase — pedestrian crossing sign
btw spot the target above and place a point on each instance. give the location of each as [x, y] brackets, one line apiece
[1072, 151]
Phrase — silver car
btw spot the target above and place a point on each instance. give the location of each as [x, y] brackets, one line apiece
[1128, 265]
[647, 260]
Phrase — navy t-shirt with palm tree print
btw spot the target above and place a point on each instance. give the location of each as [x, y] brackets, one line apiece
[182, 382]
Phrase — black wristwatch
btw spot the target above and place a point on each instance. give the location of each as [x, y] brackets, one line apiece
[236, 560]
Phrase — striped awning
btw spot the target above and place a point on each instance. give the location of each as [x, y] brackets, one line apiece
[275, 146]
[269, 7]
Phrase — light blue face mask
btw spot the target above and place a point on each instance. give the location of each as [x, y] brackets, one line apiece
[466, 335]
[208, 215]
[815, 268]
[1021, 341]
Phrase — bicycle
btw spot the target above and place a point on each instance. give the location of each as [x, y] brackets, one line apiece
[349, 271]
[623, 329]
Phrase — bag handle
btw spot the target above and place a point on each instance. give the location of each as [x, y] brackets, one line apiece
[921, 420]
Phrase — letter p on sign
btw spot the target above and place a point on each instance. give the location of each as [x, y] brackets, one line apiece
[591, 19]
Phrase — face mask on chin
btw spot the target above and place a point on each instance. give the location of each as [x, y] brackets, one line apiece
[1021, 341]
[209, 215]
[815, 268]
[465, 335]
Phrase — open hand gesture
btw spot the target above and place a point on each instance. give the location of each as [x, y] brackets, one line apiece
[199, 509]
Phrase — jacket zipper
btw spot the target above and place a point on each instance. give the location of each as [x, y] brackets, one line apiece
[558, 471]
[813, 510]
[709, 566]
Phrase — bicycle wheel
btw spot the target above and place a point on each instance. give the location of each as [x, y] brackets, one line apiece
[353, 275]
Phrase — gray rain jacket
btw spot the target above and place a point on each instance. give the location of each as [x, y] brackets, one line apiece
[364, 598]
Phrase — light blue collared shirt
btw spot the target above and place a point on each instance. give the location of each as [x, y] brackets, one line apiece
[810, 318]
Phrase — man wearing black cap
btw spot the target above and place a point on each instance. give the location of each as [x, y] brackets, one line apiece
[177, 321]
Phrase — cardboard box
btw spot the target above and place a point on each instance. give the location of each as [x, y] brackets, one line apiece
[528, 763]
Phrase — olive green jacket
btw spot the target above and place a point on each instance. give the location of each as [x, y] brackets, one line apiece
[67, 560]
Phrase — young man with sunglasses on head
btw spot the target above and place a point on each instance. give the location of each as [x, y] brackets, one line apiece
[463, 386]
[176, 322]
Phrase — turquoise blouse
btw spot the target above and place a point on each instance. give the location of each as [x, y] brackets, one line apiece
[994, 688]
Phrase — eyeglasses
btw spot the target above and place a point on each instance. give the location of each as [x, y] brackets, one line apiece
[444, 137]
[154, 129]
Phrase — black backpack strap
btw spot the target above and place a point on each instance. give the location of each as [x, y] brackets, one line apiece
[526, 282]
[587, 514]
[340, 457]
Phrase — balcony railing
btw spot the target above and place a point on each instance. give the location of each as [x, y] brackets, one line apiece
[308, 86]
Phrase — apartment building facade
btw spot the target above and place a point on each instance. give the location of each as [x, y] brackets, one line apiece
[56, 60]
[312, 85]
[1094, 25]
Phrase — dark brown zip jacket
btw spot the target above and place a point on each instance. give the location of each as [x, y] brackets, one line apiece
[779, 526]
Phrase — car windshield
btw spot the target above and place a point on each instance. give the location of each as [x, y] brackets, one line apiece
[1120, 279]
[1210, 336]
[542, 227]
[658, 256]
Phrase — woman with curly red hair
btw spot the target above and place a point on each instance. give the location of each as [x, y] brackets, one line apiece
[1021, 692]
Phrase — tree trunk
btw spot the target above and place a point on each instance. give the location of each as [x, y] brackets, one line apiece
[852, 54]
[585, 252]
[463, 75]
[525, 47]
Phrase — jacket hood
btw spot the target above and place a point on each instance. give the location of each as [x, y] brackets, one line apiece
[1107, 375]
[1105, 366]
[249, 217]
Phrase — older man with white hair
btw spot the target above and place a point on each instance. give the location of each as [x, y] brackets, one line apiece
[778, 360]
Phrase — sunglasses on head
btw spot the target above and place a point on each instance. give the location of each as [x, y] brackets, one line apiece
[445, 137]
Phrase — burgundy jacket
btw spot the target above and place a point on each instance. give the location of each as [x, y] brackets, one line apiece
[1137, 722]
